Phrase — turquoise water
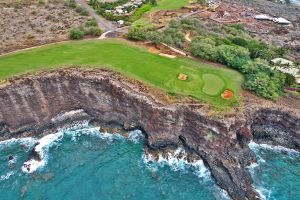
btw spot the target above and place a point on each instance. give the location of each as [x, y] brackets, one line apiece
[277, 174]
[87, 164]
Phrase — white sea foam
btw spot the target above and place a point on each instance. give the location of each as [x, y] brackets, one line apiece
[177, 161]
[264, 193]
[254, 146]
[135, 136]
[6, 176]
[42, 150]
[75, 126]
[74, 130]
[27, 142]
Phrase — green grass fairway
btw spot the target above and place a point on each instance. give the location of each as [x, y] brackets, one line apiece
[161, 5]
[204, 82]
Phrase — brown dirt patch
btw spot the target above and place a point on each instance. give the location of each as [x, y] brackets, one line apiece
[153, 49]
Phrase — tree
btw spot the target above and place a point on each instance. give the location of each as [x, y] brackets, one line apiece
[261, 50]
[153, 36]
[204, 48]
[232, 56]
[262, 85]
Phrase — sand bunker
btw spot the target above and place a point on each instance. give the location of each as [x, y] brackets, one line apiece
[227, 94]
[182, 77]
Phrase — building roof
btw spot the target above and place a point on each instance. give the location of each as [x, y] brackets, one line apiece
[282, 61]
[281, 20]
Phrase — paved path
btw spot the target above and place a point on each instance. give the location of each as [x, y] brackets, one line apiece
[104, 24]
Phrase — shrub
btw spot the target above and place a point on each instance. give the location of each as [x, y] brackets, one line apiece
[81, 11]
[137, 33]
[204, 48]
[290, 79]
[239, 41]
[232, 56]
[260, 50]
[76, 33]
[71, 3]
[154, 37]
[92, 22]
[262, 85]
[192, 24]
[173, 35]
[93, 31]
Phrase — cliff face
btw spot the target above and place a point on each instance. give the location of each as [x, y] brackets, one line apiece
[36, 105]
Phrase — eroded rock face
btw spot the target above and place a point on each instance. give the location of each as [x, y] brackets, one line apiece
[37, 105]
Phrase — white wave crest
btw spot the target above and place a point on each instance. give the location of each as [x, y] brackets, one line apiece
[75, 130]
[135, 136]
[254, 146]
[263, 193]
[6, 176]
[27, 142]
[177, 161]
[42, 150]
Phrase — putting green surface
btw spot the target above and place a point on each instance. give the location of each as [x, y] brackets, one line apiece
[213, 84]
[204, 82]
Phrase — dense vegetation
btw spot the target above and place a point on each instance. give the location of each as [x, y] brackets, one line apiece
[153, 69]
[90, 29]
[102, 7]
[229, 45]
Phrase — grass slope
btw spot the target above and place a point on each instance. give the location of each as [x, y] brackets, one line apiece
[161, 5]
[204, 82]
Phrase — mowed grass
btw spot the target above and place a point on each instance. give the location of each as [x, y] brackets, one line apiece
[204, 82]
[161, 5]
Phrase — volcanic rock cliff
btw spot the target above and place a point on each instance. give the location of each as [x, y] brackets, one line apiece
[34, 105]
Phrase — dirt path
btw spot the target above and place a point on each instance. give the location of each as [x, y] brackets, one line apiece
[187, 37]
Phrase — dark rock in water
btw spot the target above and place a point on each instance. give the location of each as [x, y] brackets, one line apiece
[36, 105]
[10, 157]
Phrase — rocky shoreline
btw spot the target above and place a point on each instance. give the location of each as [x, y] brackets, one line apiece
[36, 105]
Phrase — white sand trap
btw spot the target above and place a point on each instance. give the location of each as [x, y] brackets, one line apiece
[167, 55]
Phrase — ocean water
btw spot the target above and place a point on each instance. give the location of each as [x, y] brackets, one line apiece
[277, 173]
[85, 164]
[82, 163]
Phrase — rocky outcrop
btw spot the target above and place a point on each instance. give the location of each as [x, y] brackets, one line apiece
[276, 127]
[37, 105]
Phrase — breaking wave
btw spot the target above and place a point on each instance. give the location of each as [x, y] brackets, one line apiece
[28, 142]
[256, 147]
[74, 131]
[177, 161]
